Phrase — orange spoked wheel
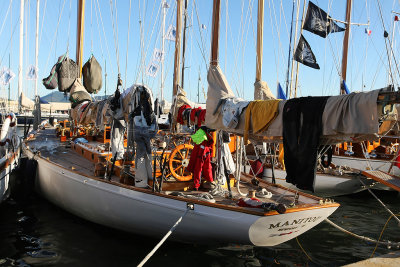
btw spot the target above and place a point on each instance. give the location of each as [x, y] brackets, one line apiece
[178, 162]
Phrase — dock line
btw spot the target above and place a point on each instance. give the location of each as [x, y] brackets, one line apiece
[189, 206]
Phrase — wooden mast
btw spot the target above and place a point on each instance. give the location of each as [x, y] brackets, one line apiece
[215, 32]
[177, 60]
[260, 30]
[79, 35]
[184, 44]
[345, 45]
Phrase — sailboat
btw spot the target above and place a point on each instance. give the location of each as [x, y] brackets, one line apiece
[71, 175]
[342, 176]
[10, 143]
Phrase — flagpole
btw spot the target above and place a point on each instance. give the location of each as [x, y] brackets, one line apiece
[346, 45]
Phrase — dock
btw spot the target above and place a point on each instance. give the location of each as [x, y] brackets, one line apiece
[390, 259]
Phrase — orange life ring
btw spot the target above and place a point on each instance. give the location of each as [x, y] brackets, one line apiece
[178, 162]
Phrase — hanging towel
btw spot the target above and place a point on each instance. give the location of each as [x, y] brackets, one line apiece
[302, 129]
[261, 113]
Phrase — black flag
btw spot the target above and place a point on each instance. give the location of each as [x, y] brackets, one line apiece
[317, 21]
[304, 54]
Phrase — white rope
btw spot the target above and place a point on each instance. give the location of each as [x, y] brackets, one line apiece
[388, 243]
[164, 238]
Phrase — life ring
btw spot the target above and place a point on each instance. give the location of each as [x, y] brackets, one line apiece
[4, 130]
[178, 162]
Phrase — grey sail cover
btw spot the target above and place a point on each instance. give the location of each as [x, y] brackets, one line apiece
[304, 54]
[317, 21]
[67, 74]
[92, 77]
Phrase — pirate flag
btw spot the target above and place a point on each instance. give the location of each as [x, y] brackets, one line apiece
[317, 21]
[304, 54]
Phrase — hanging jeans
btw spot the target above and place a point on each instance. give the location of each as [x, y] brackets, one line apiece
[302, 128]
[143, 168]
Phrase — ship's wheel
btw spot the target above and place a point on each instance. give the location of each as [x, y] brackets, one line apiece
[178, 162]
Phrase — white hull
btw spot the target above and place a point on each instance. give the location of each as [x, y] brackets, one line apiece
[136, 211]
[325, 185]
[365, 164]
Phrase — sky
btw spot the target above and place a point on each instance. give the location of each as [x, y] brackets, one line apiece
[123, 35]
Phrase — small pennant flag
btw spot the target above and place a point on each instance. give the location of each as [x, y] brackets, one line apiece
[31, 73]
[171, 33]
[396, 18]
[165, 4]
[158, 55]
[304, 54]
[203, 27]
[152, 69]
[281, 94]
[368, 31]
[6, 75]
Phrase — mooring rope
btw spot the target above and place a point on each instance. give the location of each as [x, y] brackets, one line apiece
[386, 243]
[383, 204]
[189, 207]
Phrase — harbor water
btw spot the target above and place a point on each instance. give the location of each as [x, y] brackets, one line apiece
[34, 232]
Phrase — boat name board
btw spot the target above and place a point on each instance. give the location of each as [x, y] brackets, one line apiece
[294, 222]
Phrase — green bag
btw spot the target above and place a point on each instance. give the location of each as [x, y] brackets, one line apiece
[199, 136]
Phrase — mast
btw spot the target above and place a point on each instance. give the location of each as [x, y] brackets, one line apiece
[260, 28]
[297, 63]
[164, 7]
[290, 50]
[79, 36]
[21, 52]
[294, 47]
[346, 45]
[37, 45]
[184, 44]
[37, 115]
[177, 48]
[215, 32]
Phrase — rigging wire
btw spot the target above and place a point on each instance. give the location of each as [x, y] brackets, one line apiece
[115, 33]
[5, 17]
[55, 34]
[104, 33]
[127, 42]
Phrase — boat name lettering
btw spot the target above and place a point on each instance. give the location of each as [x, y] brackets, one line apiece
[294, 222]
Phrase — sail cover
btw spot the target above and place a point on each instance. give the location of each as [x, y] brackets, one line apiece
[262, 91]
[304, 54]
[317, 21]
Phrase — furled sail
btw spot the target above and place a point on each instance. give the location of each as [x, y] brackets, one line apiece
[317, 21]
[262, 91]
